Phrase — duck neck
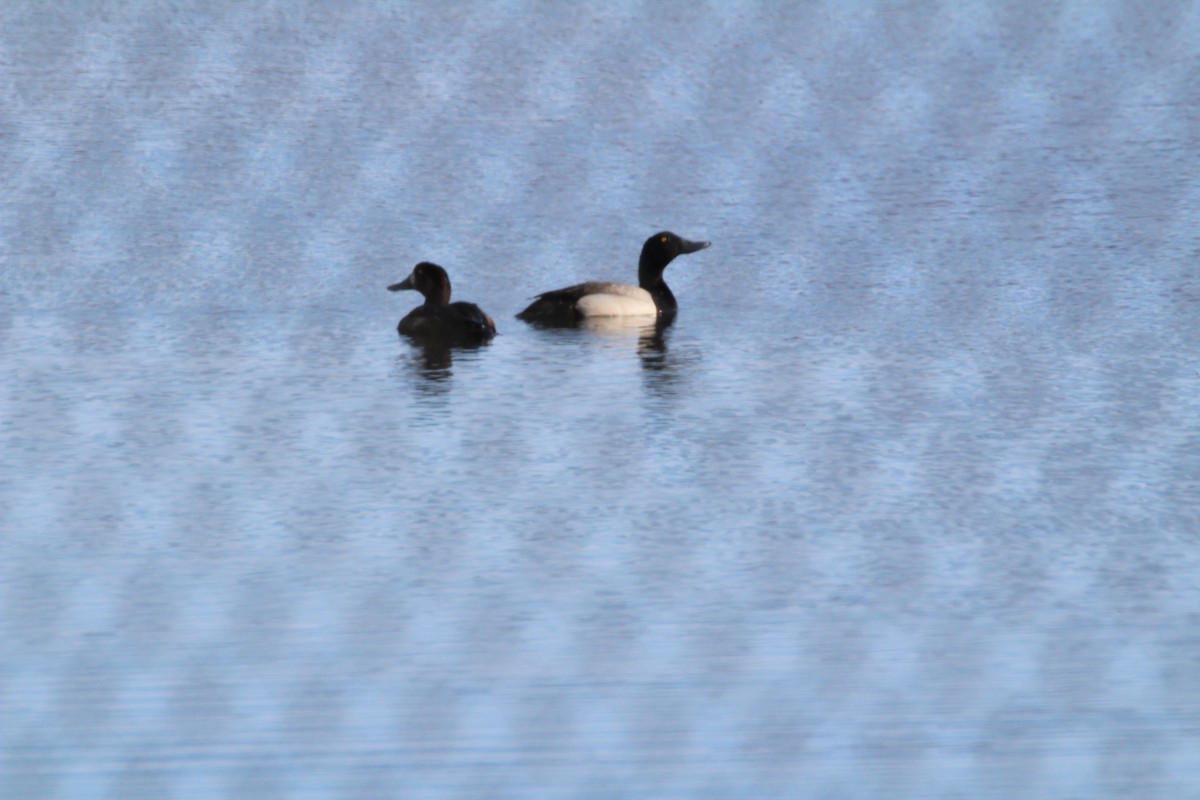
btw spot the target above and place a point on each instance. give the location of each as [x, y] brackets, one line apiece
[650, 278]
[439, 296]
[664, 300]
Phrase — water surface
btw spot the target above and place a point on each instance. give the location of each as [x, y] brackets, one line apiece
[904, 503]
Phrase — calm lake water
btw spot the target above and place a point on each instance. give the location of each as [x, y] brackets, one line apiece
[905, 502]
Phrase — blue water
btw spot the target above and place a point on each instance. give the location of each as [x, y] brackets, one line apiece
[905, 502]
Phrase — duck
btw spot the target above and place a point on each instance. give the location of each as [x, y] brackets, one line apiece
[437, 319]
[651, 297]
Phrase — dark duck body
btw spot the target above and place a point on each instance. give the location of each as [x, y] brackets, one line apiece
[437, 319]
[651, 297]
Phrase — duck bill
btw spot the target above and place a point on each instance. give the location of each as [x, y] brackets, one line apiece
[402, 285]
[690, 247]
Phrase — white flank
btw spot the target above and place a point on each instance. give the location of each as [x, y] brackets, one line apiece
[618, 300]
[620, 327]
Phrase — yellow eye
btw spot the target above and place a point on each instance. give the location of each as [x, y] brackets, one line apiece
[663, 240]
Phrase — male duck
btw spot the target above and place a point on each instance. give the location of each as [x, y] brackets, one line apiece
[438, 319]
[651, 297]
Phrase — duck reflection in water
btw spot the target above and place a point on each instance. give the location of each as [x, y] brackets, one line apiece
[651, 335]
[433, 359]
[661, 369]
[652, 344]
[617, 332]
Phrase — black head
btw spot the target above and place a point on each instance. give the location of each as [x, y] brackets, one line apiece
[428, 279]
[659, 250]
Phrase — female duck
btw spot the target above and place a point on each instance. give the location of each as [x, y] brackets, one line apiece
[651, 297]
[438, 319]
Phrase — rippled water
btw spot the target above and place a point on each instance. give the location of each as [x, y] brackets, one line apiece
[905, 503]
